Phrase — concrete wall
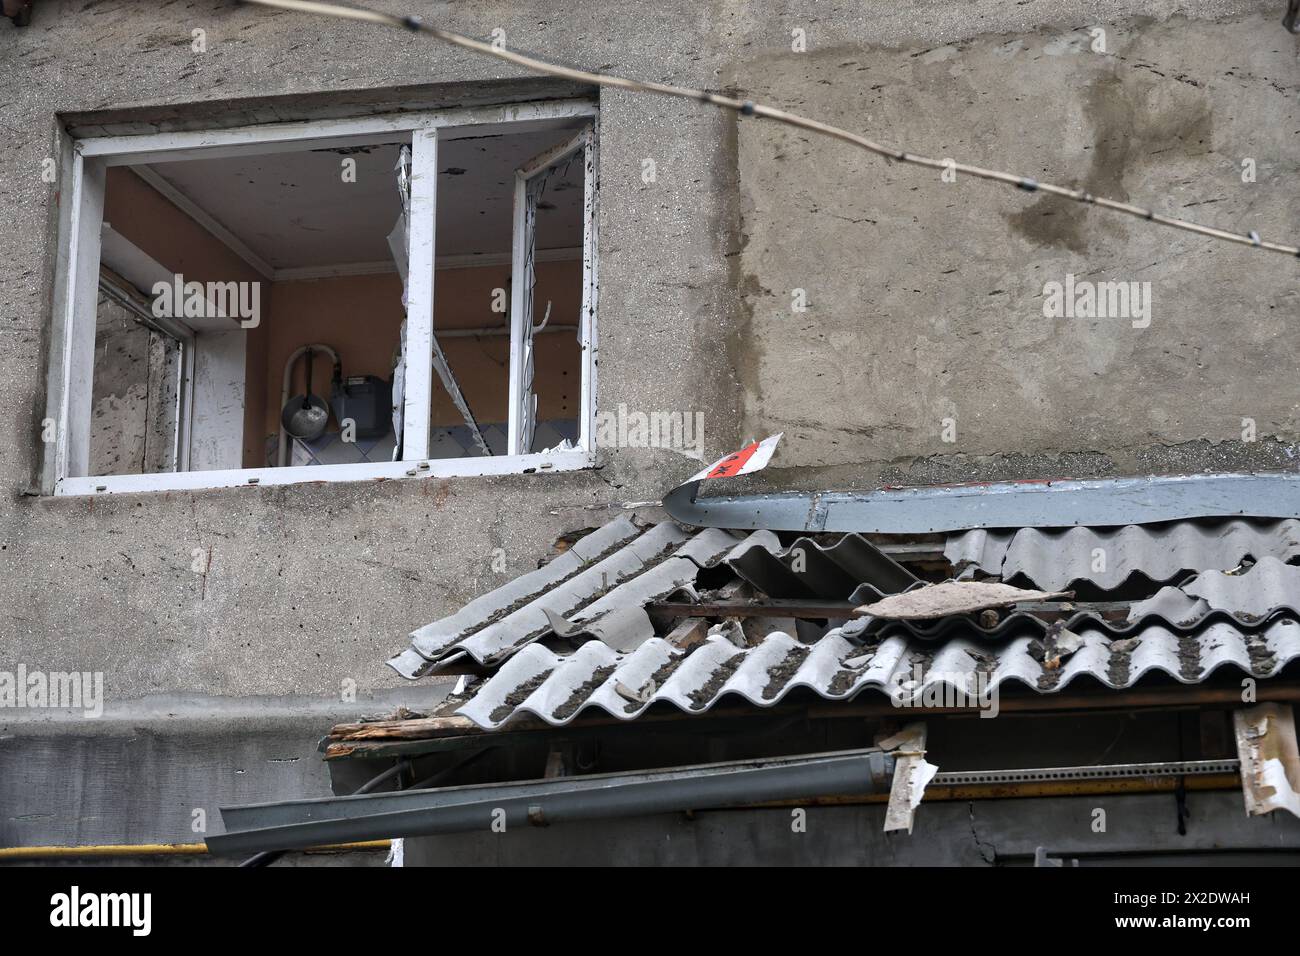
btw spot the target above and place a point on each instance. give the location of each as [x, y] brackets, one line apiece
[924, 297]
[158, 770]
[1140, 829]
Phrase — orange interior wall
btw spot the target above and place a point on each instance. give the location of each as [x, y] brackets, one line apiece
[149, 220]
[463, 299]
[360, 317]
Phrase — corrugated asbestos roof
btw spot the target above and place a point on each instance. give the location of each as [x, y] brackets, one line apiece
[1265, 589]
[1054, 560]
[599, 587]
[576, 634]
[557, 688]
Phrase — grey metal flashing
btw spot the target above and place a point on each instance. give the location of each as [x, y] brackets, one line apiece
[1059, 503]
[410, 813]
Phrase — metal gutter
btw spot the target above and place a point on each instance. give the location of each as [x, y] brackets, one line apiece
[276, 826]
[1053, 503]
[843, 777]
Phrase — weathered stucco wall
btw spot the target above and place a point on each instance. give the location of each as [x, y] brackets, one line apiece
[925, 294]
[925, 298]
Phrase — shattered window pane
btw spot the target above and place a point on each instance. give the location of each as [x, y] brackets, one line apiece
[136, 390]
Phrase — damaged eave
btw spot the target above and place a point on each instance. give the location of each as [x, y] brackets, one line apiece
[1270, 762]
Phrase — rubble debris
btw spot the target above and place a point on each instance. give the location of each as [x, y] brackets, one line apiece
[953, 597]
[911, 775]
[1270, 760]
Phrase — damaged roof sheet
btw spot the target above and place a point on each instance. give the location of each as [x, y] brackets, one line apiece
[557, 688]
[1108, 558]
[578, 632]
[1260, 591]
[592, 579]
[599, 587]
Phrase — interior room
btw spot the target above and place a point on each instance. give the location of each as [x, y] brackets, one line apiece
[298, 367]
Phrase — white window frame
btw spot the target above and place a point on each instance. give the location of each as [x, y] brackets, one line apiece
[82, 168]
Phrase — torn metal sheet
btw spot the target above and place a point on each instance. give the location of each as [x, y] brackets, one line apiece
[1270, 760]
[952, 597]
[1057, 503]
[557, 688]
[912, 773]
[1107, 559]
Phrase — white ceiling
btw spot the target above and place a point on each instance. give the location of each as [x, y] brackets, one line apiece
[295, 211]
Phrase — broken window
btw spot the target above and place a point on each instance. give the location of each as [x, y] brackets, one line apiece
[354, 299]
[140, 383]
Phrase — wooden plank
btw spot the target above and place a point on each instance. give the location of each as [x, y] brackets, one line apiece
[688, 633]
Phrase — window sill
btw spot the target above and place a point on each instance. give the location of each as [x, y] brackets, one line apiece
[572, 460]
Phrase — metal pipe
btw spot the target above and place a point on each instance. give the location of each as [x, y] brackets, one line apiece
[286, 384]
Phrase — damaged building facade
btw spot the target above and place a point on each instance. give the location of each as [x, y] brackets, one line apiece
[323, 335]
